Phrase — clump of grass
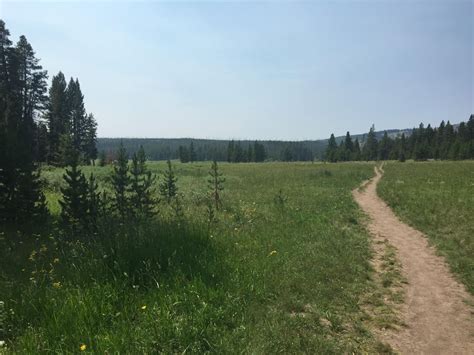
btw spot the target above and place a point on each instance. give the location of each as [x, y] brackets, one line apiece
[438, 199]
[172, 287]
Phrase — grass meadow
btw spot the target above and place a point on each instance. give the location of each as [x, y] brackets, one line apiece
[438, 199]
[282, 268]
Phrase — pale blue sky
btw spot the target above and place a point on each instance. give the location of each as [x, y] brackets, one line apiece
[257, 70]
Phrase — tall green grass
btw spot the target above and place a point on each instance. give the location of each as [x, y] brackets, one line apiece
[282, 269]
[438, 199]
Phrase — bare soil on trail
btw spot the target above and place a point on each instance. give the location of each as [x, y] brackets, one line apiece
[436, 313]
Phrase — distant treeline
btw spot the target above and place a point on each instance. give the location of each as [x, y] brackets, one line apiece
[187, 149]
[443, 142]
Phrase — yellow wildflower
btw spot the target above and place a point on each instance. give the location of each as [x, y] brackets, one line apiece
[57, 284]
[143, 307]
[83, 347]
[273, 252]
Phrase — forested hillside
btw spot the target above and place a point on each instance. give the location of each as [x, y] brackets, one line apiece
[209, 149]
[446, 142]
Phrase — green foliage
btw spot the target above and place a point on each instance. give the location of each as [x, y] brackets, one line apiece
[141, 187]
[331, 150]
[121, 183]
[70, 127]
[216, 184]
[22, 98]
[438, 199]
[168, 188]
[94, 204]
[369, 150]
[264, 280]
[443, 142]
[220, 150]
[57, 118]
[74, 204]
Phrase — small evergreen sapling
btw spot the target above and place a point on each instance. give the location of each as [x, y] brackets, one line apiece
[74, 197]
[141, 189]
[94, 203]
[216, 184]
[168, 188]
[121, 183]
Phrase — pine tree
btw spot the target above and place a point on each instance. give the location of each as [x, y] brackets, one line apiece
[121, 183]
[94, 204]
[260, 153]
[331, 150]
[238, 153]
[231, 152]
[216, 184]
[192, 153]
[369, 150]
[90, 139]
[250, 154]
[447, 141]
[22, 99]
[356, 154]
[168, 188]
[183, 153]
[141, 188]
[57, 117]
[74, 204]
[439, 140]
[384, 147]
[470, 128]
[348, 147]
[41, 143]
[77, 116]
[32, 80]
[402, 149]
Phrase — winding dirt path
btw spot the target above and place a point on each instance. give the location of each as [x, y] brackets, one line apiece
[437, 318]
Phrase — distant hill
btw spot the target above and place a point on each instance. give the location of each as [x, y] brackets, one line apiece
[208, 149]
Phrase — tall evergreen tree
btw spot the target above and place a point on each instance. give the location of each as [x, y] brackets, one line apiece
[192, 153]
[22, 88]
[57, 117]
[356, 154]
[90, 139]
[348, 147]
[369, 150]
[384, 147]
[331, 150]
[402, 149]
[77, 115]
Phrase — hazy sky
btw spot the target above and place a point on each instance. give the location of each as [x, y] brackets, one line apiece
[257, 70]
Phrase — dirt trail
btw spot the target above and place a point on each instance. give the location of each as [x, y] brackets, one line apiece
[438, 321]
